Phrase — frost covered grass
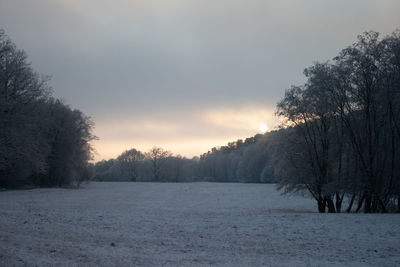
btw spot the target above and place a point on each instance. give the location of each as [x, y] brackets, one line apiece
[187, 224]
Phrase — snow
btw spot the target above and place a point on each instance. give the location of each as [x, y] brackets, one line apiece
[187, 224]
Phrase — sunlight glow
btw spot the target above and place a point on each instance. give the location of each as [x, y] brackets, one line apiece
[196, 131]
[263, 127]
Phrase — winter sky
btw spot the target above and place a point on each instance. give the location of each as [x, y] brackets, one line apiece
[185, 75]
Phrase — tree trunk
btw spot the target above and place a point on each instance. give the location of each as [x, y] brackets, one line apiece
[383, 206]
[339, 201]
[398, 204]
[374, 205]
[353, 197]
[331, 205]
[368, 202]
[360, 203]
[321, 205]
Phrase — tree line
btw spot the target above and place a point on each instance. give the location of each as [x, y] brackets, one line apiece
[43, 141]
[156, 165]
[245, 161]
[240, 161]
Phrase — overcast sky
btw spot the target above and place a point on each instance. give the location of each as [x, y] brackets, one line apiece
[185, 75]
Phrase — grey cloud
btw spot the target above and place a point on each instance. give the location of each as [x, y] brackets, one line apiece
[112, 58]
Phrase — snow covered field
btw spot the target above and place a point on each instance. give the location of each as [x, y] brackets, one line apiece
[191, 224]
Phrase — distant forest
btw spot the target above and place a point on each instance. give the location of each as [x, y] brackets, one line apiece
[246, 161]
[339, 142]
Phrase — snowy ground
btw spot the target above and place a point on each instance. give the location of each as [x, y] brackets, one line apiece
[191, 224]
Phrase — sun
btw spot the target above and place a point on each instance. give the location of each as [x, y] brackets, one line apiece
[263, 127]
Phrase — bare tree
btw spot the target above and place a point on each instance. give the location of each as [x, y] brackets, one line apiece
[130, 160]
[157, 155]
[347, 113]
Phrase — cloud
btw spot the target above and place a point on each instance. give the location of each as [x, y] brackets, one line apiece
[156, 71]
